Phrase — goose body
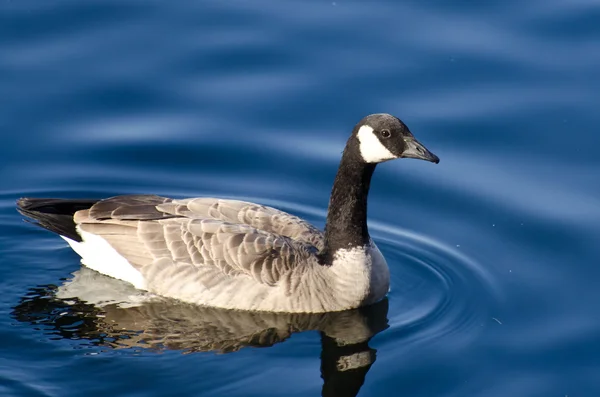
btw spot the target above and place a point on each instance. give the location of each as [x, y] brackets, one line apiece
[239, 255]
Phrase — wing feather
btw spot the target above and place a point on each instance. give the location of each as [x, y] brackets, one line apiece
[165, 238]
[241, 212]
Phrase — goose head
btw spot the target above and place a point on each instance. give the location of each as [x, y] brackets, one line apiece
[382, 137]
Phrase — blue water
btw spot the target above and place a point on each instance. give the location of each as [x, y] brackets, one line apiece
[493, 253]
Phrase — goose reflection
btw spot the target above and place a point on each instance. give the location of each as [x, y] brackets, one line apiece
[81, 309]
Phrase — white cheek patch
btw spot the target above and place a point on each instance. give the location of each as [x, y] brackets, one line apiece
[371, 149]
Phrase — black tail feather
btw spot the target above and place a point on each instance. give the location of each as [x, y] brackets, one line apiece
[55, 215]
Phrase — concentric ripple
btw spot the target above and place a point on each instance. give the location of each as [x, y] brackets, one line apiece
[436, 290]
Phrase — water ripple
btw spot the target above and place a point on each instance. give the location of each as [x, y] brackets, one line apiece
[436, 291]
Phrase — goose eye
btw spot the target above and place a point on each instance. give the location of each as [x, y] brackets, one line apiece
[386, 133]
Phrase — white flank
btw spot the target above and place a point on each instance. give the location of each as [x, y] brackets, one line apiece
[98, 255]
[371, 149]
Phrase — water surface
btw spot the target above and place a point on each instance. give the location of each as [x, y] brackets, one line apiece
[493, 252]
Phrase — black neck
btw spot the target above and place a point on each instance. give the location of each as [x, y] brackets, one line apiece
[346, 225]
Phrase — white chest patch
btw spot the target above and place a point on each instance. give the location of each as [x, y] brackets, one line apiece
[98, 255]
[371, 149]
[353, 259]
[363, 272]
[352, 269]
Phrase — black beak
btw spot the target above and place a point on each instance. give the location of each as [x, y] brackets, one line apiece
[415, 150]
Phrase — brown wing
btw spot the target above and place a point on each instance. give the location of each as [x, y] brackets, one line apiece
[258, 216]
[170, 241]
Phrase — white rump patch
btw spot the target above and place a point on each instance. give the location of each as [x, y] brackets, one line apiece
[98, 255]
[371, 149]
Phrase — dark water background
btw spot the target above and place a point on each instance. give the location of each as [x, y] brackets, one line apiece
[493, 253]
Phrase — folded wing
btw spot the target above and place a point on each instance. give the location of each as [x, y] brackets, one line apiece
[204, 240]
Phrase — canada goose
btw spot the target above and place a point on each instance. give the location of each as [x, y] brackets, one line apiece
[239, 255]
